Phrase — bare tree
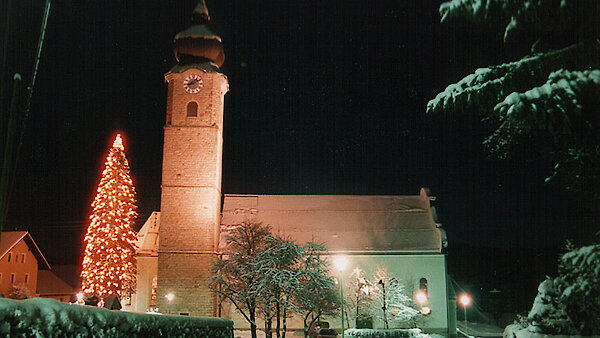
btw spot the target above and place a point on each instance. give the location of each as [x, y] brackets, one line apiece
[236, 274]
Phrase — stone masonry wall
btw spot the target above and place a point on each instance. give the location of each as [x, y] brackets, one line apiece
[191, 193]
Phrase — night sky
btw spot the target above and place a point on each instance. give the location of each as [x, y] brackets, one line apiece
[326, 97]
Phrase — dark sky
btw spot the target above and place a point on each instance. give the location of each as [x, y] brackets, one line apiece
[326, 97]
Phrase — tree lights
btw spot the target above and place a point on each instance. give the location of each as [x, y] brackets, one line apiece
[109, 264]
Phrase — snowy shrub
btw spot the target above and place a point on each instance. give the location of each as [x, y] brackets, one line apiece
[50, 318]
[394, 333]
[569, 304]
[547, 314]
[579, 287]
[18, 291]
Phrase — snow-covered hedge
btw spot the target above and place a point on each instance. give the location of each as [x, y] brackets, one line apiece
[374, 333]
[49, 318]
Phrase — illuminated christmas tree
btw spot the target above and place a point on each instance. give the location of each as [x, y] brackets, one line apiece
[109, 264]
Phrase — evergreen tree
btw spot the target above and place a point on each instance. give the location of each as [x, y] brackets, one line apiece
[109, 264]
[548, 98]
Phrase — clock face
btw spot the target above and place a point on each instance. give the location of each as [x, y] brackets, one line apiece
[192, 83]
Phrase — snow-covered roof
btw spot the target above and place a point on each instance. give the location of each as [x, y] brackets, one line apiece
[352, 224]
[11, 238]
[48, 284]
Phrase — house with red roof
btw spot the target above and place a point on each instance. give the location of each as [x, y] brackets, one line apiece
[20, 261]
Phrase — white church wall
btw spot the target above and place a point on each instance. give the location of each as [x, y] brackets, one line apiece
[409, 268]
[147, 267]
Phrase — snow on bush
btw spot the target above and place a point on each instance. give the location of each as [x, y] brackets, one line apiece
[373, 333]
[568, 304]
[49, 318]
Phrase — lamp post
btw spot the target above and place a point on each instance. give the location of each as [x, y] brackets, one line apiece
[465, 300]
[170, 296]
[384, 307]
[340, 263]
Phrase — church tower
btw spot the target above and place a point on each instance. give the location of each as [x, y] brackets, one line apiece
[191, 172]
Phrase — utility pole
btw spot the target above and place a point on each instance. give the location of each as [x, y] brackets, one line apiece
[8, 168]
[8, 149]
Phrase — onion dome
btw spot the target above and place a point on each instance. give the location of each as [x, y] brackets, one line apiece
[198, 44]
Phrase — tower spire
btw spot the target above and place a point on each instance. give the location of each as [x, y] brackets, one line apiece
[198, 44]
[200, 13]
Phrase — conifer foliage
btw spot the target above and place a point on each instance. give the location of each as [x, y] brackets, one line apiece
[109, 264]
[548, 98]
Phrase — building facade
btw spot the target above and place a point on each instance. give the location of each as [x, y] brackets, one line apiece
[20, 259]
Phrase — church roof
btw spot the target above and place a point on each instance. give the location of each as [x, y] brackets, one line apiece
[352, 224]
[11, 238]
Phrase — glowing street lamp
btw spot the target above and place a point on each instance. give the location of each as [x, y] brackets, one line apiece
[340, 263]
[79, 297]
[170, 296]
[421, 297]
[465, 300]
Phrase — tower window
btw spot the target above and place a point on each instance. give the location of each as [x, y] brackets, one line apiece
[26, 278]
[12, 278]
[192, 109]
[22, 258]
[9, 256]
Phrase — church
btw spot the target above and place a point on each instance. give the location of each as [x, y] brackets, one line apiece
[177, 245]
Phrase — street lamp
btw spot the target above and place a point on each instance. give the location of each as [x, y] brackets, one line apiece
[170, 296]
[79, 297]
[465, 299]
[340, 263]
[421, 297]
[384, 307]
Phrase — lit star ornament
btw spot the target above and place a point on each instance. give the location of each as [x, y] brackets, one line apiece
[109, 263]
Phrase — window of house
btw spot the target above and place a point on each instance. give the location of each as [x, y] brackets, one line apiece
[192, 109]
[26, 278]
[22, 258]
[9, 256]
[12, 277]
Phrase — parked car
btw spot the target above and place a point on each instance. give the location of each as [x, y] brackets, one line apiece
[321, 330]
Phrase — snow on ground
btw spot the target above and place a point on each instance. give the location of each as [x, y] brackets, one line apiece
[298, 334]
[480, 329]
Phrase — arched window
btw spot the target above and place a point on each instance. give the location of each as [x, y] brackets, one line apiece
[423, 284]
[192, 109]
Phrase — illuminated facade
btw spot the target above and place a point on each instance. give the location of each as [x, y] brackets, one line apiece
[191, 175]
